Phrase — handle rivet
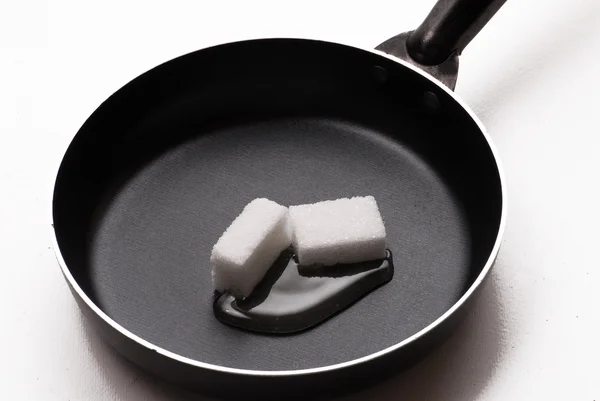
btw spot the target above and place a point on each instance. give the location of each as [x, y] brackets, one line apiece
[380, 74]
[430, 102]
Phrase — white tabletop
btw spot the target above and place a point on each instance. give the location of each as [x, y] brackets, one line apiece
[531, 76]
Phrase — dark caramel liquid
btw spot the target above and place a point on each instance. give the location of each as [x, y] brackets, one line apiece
[293, 298]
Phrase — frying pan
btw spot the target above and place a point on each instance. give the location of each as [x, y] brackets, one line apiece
[162, 167]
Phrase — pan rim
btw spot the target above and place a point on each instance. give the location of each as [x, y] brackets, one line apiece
[322, 369]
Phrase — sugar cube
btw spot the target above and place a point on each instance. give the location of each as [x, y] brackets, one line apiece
[347, 230]
[250, 245]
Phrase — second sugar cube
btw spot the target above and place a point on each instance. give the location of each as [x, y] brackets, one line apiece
[347, 230]
[247, 249]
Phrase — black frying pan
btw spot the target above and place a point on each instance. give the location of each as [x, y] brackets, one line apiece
[163, 166]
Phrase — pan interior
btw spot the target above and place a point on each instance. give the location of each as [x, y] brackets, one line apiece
[160, 170]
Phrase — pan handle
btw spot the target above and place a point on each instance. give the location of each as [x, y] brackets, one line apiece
[436, 44]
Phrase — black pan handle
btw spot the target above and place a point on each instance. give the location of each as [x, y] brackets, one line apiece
[449, 28]
[436, 44]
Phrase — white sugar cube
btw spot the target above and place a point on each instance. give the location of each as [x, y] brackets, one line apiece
[249, 246]
[348, 230]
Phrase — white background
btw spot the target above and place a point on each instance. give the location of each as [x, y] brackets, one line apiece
[531, 76]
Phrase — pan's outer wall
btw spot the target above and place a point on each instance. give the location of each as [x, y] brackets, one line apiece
[334, 382]
[231, 383]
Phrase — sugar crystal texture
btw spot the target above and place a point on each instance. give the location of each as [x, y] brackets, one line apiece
[250, 245]
[347, 230]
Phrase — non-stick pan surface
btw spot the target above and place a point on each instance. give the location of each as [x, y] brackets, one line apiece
[163, 166]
